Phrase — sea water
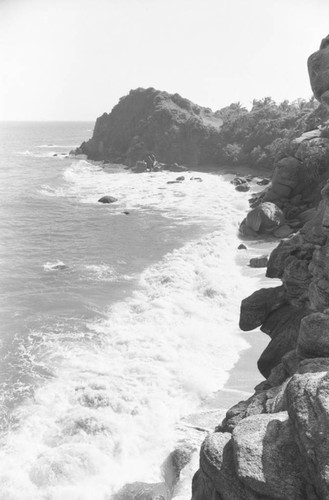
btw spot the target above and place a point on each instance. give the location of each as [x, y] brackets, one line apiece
[116, 320]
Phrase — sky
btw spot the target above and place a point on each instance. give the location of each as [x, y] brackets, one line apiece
[74, 59]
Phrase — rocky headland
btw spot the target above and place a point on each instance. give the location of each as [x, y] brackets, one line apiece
[151, 122]
[275, 445]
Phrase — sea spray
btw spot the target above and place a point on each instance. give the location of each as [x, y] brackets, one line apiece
[108, 415]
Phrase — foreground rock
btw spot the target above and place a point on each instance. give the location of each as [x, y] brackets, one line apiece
[149, 122]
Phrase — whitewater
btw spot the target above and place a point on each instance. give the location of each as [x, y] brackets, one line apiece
[118, 320]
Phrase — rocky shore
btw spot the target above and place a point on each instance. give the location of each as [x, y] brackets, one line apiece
[275, 445]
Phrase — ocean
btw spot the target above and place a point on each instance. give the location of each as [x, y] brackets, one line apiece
[117, 321]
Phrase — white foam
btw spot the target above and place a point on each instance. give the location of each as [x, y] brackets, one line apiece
[52, 154]
[58, 265]
[108, 414]
[62, 146]
[104, 272]
[87, 182]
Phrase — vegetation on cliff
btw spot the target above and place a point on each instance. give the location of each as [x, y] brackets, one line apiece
[175, 130]
[262, 136]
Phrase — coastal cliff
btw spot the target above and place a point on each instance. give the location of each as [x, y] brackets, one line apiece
[275, 445]
[148, 121]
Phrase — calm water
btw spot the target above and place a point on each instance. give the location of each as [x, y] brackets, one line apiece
[113, 326]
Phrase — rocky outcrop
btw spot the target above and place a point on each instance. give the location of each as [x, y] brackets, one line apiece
[318, 68]
[275, 445]
[149, 123]
[265, 218]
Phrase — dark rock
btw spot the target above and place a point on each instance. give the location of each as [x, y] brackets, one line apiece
[285, 178]
[256, 308]
[107, 199]
[126, 212]
[263, 182]
[283, 327]
[265, 218]
[198, 179]
[283, 231]
[313, 339]
[180, 178]
[267, 458]
[318, 68]
[141, 166]
[242, 187]
[259, 261]
[242, 247]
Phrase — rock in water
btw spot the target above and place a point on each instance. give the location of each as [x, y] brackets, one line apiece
[242, 187]
[107, 199]
[265, 218]
[259, 261]
[148, 121]
[242, 247]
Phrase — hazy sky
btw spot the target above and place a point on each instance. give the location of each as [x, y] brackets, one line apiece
[73, 59]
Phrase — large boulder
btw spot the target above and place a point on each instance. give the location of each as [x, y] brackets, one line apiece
[318, 68]
[255, 308]
[307, 397]
[265, 218]
[313, 339]
[267, 457]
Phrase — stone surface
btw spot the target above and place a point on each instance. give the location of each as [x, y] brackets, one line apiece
[267, 457]
[313, 339]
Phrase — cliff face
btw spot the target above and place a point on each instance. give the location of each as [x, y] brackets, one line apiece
[150, 121]
[275, 445]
